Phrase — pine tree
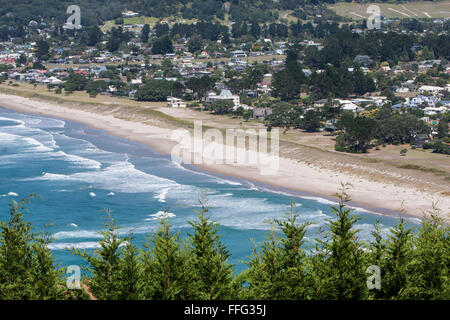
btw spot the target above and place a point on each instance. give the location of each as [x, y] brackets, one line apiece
[167, 271]
[46, 276]
[213, 277]
[398, 254]
[428, 271]
[377, 249]
[145, 32]
[27, 267]
[16, 259]
[345, 260]
[278, 271]
[263, 274]
[130, 273]
[105, 265]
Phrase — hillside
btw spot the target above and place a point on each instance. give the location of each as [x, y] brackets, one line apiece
[97, 11]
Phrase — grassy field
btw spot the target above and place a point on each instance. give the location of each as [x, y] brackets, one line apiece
[145, 20]
[418, 9]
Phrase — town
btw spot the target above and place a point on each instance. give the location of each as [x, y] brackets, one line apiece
[287, 75]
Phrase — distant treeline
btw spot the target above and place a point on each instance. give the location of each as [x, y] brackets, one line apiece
[400, 265]
[95, 11]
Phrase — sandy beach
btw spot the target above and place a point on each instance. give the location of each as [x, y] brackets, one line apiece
[380, 190]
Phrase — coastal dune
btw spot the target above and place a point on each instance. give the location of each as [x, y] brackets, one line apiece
[293, 175]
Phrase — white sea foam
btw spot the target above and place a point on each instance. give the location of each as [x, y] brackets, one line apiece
[161, 196]
[121, 177]
[20, 123]
[111, 194]
[76, 234]
[9, 194]
[161, 215]
[253, 187]
[73, 225]
[74, 245]
[225, 181]
[78, 160]
[319, 200]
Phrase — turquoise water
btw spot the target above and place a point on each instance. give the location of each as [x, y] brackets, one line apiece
[78, 172]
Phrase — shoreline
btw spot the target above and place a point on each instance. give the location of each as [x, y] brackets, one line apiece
[293, 177]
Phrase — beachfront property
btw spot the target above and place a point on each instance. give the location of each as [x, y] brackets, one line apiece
[173, 102]
[224, 95]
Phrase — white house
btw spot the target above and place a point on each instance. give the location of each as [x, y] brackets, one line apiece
[348, 105]
[224, 95]
[129, 14]
[173, 102]
[434, 110]
[53, 80]
[430, 89]
[238, 54]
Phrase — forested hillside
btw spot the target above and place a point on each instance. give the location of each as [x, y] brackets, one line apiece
[95, 11]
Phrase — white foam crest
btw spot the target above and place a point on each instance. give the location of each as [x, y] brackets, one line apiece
[48, 150]
[78, 160]
[31, 120]
[225, 181]
[161, 196]
[20, 123]
[74, 245]
[161, 215]
[35, 146]
[10, 194]
[319, 200]
[77, 234]
[120, 177]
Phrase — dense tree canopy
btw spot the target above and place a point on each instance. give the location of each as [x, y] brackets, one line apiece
[413, 263]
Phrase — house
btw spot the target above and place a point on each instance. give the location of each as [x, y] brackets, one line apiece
[204, 55]
[420, 100]
[238, 54]
[261, 113]
[348, 105]
[402, 90]
[430, 90]
[418, 140]
[53, 80]
[173, 102]
[224, 95]
[434, 110]
[129, 14]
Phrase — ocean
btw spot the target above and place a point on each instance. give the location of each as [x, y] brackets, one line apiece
[78, 172]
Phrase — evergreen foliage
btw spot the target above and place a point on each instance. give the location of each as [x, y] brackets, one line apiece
[413, 265]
